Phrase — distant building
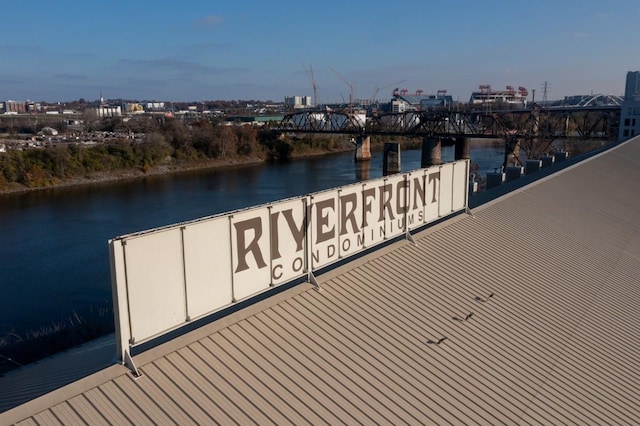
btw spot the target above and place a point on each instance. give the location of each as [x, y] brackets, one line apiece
[108, 111]
[296, 102]
[486, 95]
[632, 88]
[405, 101]
[630, 108]
[133, 107]
[400, 105]
[15, 106]
[154, 106]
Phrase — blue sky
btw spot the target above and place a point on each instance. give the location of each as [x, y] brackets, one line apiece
[57, 50]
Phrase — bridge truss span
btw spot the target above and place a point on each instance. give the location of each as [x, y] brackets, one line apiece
[552, 123]
[323, 122]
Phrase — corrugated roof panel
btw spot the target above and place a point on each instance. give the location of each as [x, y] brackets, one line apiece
[65, 414]
[104, 405]
[87, 411]
[227, 405]
[404, 341]
[241, 393]
[345, 347]
[28, 422]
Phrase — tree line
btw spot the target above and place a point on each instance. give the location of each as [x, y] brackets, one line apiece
[157, 142]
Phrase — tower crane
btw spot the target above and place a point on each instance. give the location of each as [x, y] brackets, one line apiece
[375, 94]
[348, 83]
[309, 73]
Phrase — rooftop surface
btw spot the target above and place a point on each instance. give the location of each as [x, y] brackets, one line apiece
[524, 312]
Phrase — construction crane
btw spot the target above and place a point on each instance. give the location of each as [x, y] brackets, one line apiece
[348, 83]
[309, 73]
[375, 94]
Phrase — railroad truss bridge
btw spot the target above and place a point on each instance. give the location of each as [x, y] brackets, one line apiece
[536, 128]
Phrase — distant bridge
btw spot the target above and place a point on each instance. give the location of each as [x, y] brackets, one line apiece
[582, 122]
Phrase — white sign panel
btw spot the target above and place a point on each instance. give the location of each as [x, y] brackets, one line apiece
[446, 190]
[351, 237]
[289, 231]
[417, 199]
[250, 236]
[155, 280]
[165, 277]
[394, 205]
[207, 254]
[460, 177]
[432, 194]
[372, 212]
[324, 229]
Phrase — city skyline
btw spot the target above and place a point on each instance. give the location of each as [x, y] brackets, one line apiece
[155, 50]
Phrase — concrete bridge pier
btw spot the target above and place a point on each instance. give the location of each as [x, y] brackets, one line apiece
[512, 151]
[363, 149]
[431, 152]
[462, 148]
[515, 155]
[391, 158]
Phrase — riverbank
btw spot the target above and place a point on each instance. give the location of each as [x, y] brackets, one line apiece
[163, 169]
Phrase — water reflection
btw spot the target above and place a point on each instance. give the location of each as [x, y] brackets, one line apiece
[363, 170]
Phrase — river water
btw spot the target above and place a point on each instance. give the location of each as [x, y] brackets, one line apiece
[54, 259]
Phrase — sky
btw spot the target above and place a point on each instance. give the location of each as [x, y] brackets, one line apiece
[197, 50]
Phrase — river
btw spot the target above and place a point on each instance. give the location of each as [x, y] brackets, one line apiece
[54, 260]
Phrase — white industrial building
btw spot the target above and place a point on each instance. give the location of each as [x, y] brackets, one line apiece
[630, 109]
[298, 102]
[108, 111]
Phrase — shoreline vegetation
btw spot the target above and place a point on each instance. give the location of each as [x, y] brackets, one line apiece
[173, 147]
[118, 175]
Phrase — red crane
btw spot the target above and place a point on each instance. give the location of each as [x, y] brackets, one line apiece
[395, 91]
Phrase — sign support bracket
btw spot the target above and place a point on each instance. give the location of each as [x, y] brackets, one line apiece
[312, 279]
[409, 237]
[128, 362]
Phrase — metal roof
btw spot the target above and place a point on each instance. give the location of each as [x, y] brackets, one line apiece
[536, 294]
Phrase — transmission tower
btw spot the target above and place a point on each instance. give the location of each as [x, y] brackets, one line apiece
[545, 87]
